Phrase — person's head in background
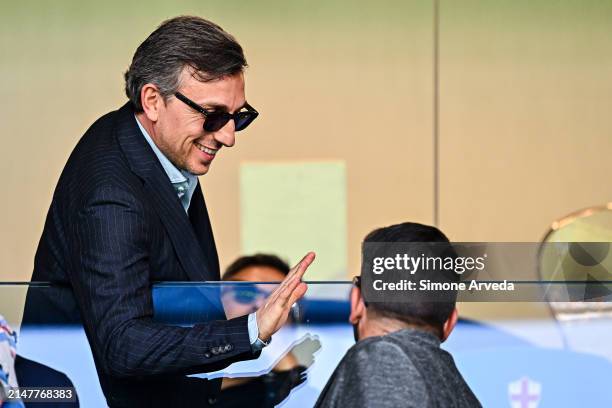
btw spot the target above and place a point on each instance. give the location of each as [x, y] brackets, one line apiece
[241, 300]
[381, 317]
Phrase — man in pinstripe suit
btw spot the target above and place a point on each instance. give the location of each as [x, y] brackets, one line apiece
[128, 210]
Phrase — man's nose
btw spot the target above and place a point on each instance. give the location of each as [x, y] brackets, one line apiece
[227, 134]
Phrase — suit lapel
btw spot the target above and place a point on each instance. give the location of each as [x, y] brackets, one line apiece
[198, 215]
[144, 163]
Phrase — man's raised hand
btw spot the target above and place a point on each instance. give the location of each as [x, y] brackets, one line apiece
[273, 314]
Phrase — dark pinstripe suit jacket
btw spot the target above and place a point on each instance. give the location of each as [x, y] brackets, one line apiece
[115, 226]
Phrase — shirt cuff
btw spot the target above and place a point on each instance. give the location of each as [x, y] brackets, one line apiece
[256, 344]
[253, 329]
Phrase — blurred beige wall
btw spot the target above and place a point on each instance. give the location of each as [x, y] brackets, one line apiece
[332, 81]
[525, 123]
[525, 92]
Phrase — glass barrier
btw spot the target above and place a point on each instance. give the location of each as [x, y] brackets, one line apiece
[504, 362]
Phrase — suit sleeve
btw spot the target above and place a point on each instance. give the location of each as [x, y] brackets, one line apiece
[110, 246]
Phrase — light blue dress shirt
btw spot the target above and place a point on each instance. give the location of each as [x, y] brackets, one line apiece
[184, 184]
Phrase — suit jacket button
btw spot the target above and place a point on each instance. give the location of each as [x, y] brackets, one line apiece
[207, 354]
[212, 401]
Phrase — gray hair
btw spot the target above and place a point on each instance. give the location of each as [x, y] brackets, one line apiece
[180, 42]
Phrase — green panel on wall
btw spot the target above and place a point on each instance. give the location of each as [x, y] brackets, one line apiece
[291, 208]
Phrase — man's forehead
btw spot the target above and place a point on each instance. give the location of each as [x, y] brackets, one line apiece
[224, 90]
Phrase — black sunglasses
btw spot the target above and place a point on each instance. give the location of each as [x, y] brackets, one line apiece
[215, 120]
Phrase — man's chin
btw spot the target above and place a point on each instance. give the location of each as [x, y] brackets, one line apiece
[199, 170]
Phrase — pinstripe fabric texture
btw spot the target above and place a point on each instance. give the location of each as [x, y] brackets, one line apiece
[114, 227]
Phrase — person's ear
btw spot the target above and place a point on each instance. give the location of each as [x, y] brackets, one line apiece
[357, 306]
[152, 101]
[449, 324]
